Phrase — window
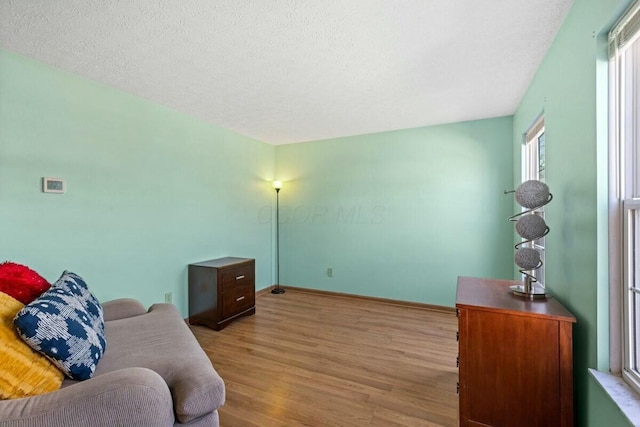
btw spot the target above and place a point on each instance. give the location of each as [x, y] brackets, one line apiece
[533, 168]
[624, 72]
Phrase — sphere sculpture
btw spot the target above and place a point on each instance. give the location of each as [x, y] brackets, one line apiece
[527, 258]
[531, 195]
[531, 227]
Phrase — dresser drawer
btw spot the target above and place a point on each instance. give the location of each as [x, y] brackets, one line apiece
[238, 276]
[237, 299]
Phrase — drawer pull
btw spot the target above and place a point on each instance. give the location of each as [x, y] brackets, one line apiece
[240, 298]
[240, 277]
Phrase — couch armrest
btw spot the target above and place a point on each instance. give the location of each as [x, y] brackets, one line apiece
[122, 308]
[132, 396]
[196, 387]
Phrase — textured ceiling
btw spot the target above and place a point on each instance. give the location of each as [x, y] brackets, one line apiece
[284, 71]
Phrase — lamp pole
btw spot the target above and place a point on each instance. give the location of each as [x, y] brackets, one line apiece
[277, 290]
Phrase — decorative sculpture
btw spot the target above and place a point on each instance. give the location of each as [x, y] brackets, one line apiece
[531, 195]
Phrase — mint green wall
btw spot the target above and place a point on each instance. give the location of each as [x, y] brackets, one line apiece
[149, 189]
[398, 214]
[570, 87]
[602, 411]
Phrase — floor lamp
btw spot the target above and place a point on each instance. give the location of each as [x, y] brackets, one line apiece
[277, 290]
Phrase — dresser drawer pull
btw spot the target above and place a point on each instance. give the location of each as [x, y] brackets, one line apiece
[240, 277]
[240, 298]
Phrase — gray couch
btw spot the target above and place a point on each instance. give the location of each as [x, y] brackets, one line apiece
[153, 373]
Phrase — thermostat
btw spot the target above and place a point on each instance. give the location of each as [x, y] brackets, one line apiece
[53, 185]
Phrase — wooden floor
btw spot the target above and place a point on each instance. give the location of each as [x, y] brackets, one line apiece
[316, 360]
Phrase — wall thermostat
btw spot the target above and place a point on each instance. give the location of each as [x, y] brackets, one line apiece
[53, 185]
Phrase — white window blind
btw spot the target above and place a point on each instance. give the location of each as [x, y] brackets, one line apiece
[626, 31]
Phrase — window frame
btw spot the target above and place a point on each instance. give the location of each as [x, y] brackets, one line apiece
[631, 293]
[624, 197]
[531, 168]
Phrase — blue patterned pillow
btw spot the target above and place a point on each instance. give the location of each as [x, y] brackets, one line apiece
[65, 324]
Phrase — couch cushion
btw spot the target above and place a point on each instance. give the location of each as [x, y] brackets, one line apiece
[160, 340]
[23, 371]
[65, 324]
[21, 282]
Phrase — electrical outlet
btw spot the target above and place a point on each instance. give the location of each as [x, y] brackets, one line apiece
[168, 298]
[329, 272]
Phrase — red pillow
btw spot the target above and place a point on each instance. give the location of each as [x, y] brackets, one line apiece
[21, 282]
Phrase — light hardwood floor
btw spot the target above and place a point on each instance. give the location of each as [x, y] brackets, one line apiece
[306, 359]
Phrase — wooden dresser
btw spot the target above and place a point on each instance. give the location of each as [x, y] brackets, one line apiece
[515, 357]
[221, 290]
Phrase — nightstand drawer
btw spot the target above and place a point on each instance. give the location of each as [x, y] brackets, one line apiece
[238, 276]
[237, 299]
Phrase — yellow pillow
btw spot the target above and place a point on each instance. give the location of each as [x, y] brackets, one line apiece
[23, 371]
